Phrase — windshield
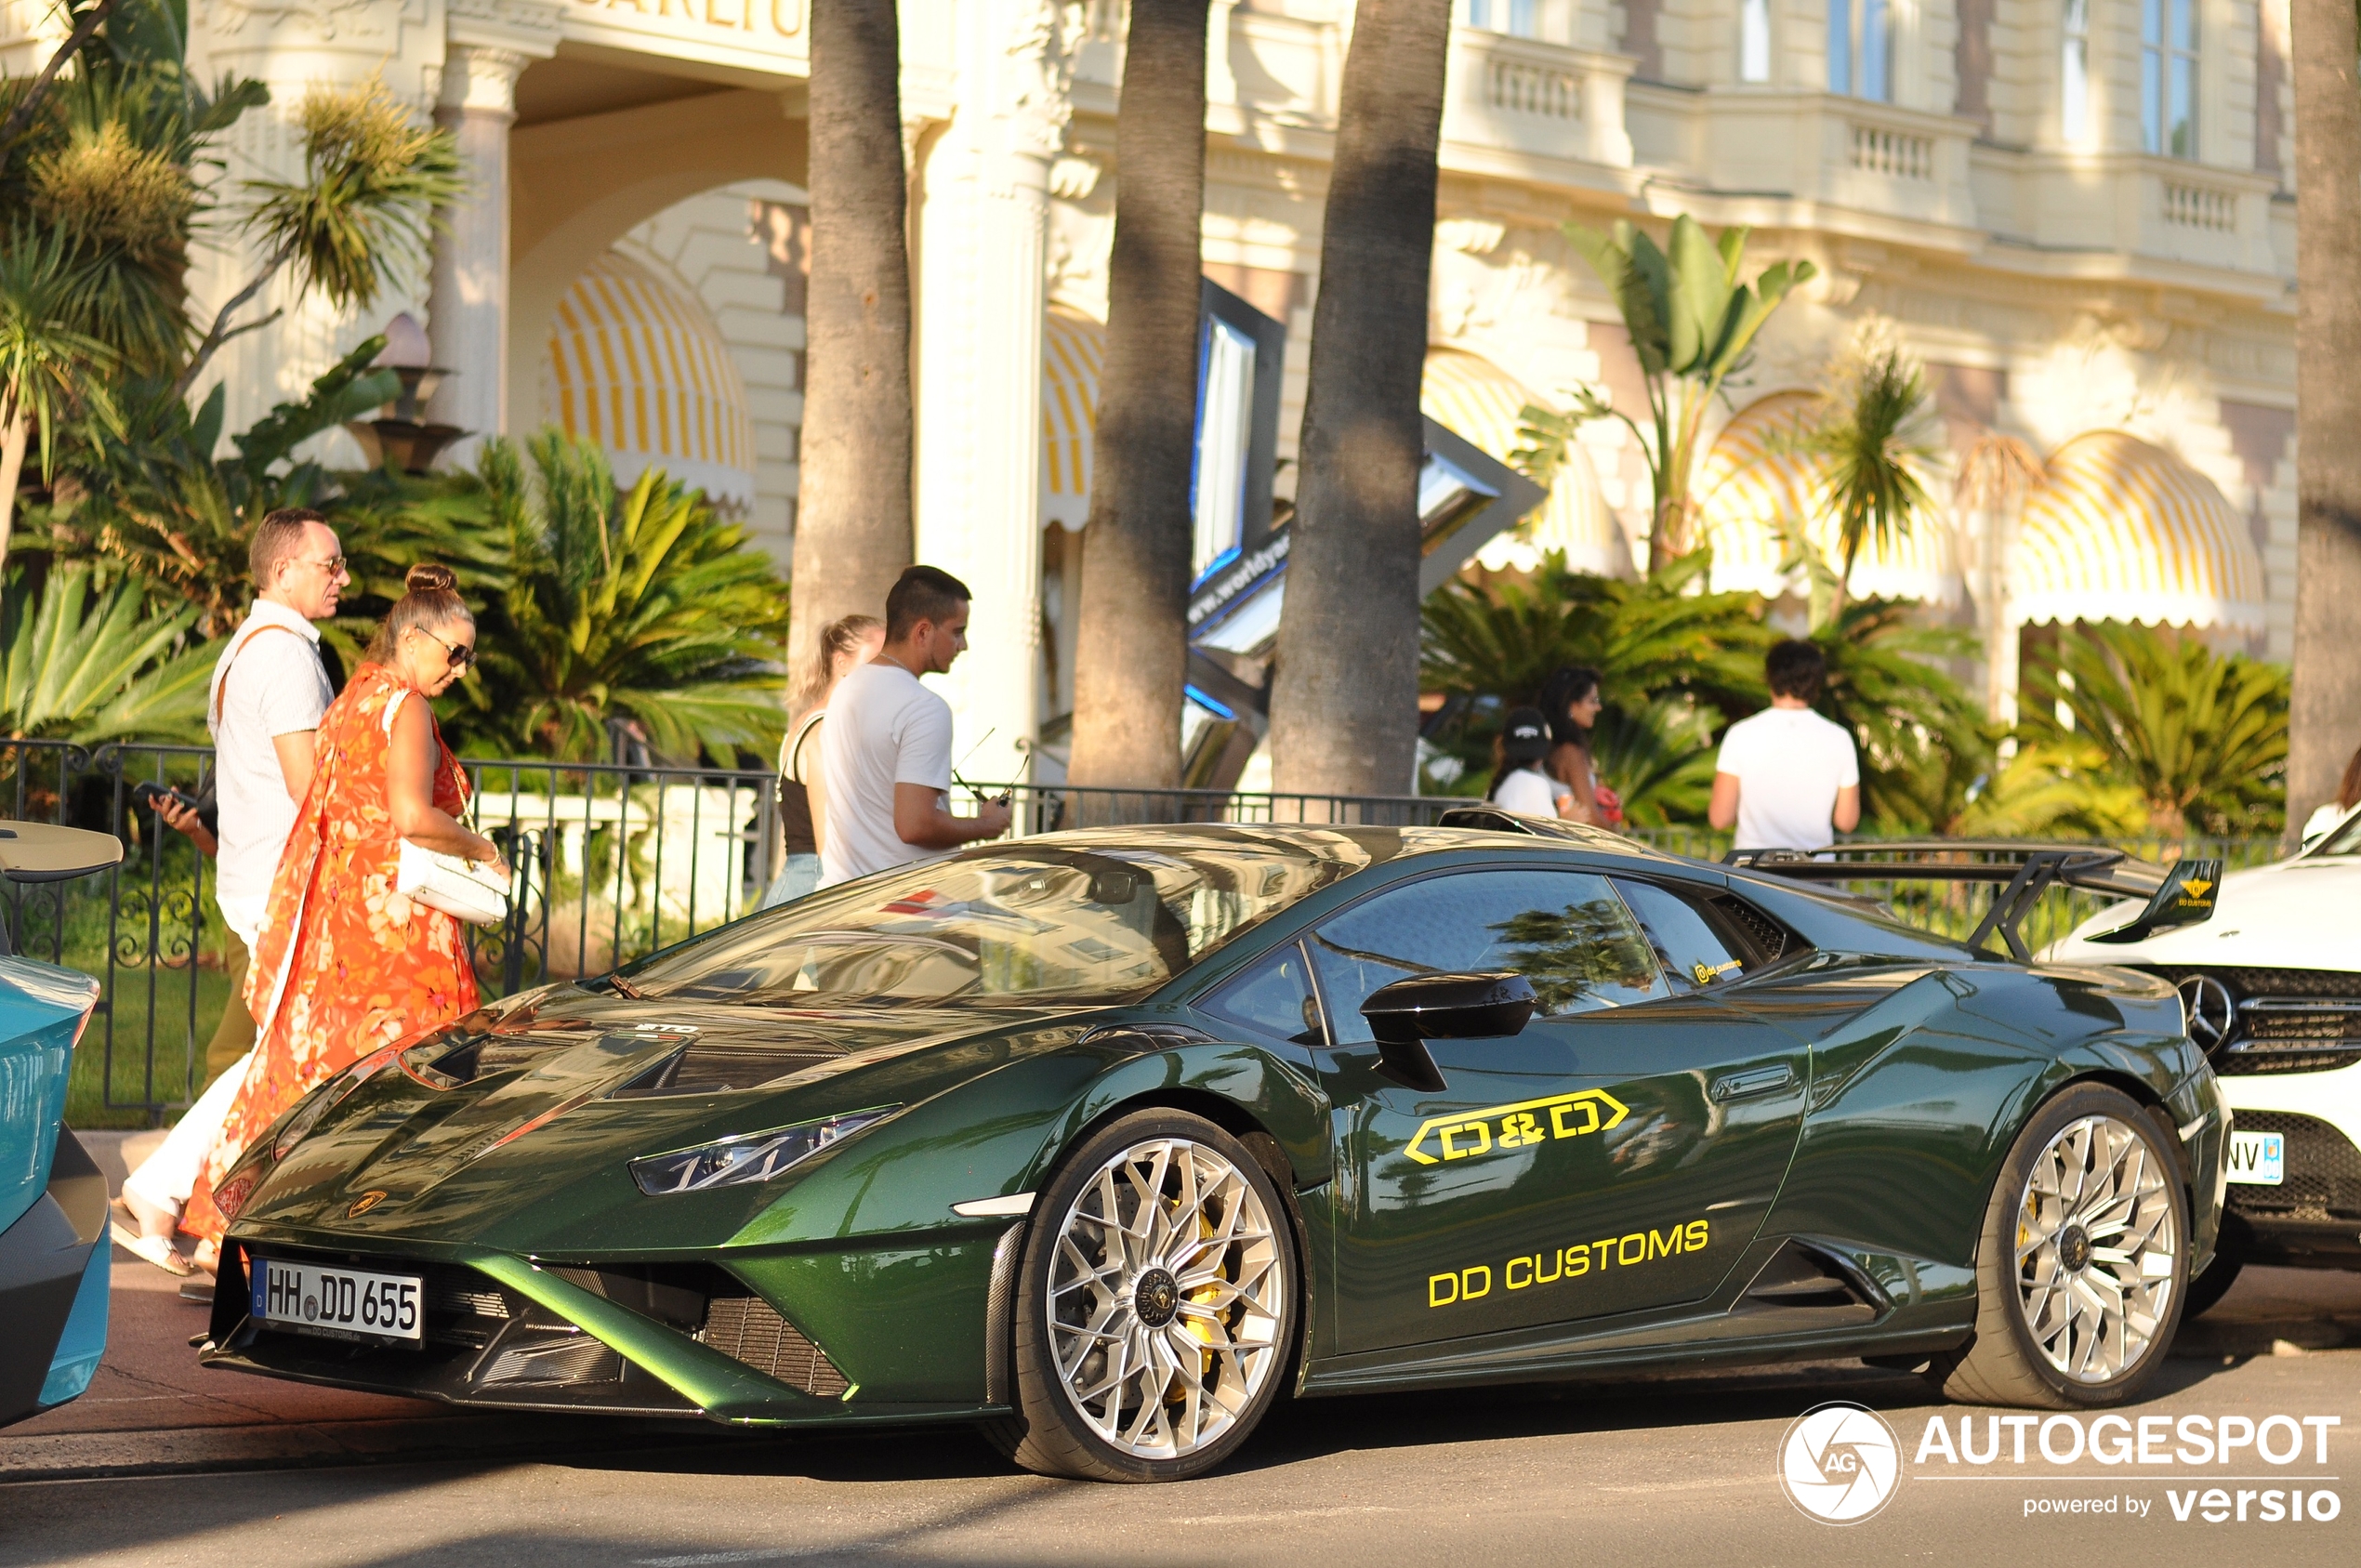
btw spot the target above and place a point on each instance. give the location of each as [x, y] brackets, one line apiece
[1014, 923]
[2344, 840]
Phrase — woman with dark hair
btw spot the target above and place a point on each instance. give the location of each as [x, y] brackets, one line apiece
[1569, 702]
[348, 963]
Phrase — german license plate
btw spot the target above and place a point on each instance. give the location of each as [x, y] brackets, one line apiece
[341, 1303]
[2259, 1159]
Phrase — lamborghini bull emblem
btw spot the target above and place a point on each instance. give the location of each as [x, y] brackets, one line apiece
[1527, 1121]
[364, 1204]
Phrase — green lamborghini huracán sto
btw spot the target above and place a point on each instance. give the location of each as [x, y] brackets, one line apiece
[1102, 1140]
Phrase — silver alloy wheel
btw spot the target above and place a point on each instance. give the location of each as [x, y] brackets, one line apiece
[1166, 1298]
[2097, 1233]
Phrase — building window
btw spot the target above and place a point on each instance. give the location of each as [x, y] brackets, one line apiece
[1861, 49]
[2074, 73]
[1754, 41]
[1515, 18]
[2169, 76]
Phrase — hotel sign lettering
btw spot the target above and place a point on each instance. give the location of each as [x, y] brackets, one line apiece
[757, 32]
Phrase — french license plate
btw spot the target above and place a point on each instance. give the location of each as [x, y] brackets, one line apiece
[2259, 1159]
[341, 1303]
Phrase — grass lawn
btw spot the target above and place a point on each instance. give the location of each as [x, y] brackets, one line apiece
[126, 1073]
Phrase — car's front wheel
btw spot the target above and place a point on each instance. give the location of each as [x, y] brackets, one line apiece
[1156, 1305]
[2082, 1268]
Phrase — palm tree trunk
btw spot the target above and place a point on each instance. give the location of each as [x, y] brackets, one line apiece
[15, 431]
[2325, 720]
[1135, 558]
[852, 534]
[1344, 707]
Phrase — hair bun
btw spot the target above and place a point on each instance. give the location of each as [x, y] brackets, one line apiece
[429, 576]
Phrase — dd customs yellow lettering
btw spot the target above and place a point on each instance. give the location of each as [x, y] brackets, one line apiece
[1509, 1275]
[1578, 1261]
[1697, 1235]
[1558, 1114]
[1437, 1285]
[1469, 1290]
[1557, 1268]
[1623, 1248]
[1666, 1243]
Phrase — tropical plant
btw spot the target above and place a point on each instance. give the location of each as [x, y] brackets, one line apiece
[1872, 447]
[643, 605]
[100, 169]
[2201, 736]
[153, 498]
[2325, 702]
[358, 220]
[1693, 326]
[853, 530]
[1135, 571]
[87, 664]
[1661, 635]
[1347, 678]
[49, 365]
[1658, 757]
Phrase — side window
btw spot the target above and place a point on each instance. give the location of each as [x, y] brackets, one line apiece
[1566, 932]
[1273, 997]
[1685, 942]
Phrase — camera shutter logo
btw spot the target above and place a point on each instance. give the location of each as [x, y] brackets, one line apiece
[1839, 1463]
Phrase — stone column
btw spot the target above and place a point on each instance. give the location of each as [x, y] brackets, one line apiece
[468, 309]
[983, 289]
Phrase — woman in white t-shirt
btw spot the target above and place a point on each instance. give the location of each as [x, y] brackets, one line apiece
[1522, 785]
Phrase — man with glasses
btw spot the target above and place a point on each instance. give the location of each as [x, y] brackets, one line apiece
[269, 692]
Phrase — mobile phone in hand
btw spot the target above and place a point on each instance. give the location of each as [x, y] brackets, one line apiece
[151, 794]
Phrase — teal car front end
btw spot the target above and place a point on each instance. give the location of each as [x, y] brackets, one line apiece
[54, 1259]
[1100, 1139]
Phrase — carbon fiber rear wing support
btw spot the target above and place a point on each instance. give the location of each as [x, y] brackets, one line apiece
[2180, 895]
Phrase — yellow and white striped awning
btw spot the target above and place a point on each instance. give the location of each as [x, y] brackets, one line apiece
[1753, 483]
[2121, 530]
[634, 363]
[1480, 402]
[1074, 348]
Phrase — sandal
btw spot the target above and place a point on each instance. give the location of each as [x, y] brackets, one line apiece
[123, 1227]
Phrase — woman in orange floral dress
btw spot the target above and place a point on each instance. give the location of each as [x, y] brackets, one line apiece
[346, 964]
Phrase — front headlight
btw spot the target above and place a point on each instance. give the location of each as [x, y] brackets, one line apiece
[752, 1157]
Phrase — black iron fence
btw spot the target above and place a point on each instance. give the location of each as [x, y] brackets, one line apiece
[615, 861]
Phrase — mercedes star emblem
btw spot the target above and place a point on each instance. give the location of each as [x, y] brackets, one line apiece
[2207, 1003]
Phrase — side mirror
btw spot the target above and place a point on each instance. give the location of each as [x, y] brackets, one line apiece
[1407, 1014]
[2185, 898]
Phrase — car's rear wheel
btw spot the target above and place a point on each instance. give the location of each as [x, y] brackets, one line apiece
[2082, 1268]
[1156, 1304]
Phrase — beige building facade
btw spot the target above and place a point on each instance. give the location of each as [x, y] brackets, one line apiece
[2076, 214]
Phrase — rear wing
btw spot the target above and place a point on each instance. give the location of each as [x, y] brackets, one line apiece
[2181, 894]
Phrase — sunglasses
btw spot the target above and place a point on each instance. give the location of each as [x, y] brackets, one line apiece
[461, 655]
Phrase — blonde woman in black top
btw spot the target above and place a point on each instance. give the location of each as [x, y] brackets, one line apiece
[844, 646]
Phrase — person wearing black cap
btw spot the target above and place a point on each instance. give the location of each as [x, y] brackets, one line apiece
[1522, 785]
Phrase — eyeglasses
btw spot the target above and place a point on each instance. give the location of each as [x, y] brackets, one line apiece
[461, 655]
[334, 564]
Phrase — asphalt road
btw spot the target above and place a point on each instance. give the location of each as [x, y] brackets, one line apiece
[1681, 1470]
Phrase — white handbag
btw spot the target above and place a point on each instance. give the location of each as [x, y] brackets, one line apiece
[474, 893]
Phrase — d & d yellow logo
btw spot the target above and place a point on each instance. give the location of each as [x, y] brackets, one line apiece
[1458, 1136]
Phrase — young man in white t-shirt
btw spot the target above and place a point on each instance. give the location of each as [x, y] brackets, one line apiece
[884, 752]
[1788, 779]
